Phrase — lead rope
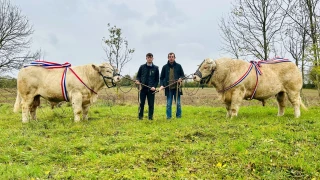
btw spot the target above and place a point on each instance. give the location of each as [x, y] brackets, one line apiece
[139, 89]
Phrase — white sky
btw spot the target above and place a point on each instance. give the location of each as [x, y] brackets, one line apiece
[72, 30]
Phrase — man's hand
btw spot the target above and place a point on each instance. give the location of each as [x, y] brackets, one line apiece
[153, 89]
[179, 80]
[161, 87]
[137, 82]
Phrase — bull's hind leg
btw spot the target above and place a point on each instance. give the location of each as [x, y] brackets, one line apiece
[33, 107]
[294, 98]
[281, 103]
[85, 109]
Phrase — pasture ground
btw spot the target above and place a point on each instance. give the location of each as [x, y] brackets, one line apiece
[203, 144]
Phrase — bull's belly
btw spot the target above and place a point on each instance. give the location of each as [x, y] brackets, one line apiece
[54, 99]
[260, 95]
[52, 96]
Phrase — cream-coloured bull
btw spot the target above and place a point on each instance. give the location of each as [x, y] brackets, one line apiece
[35, 82]
[278, 79]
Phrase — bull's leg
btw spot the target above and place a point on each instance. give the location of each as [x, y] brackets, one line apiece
[237, 97]
[281, 103]
[26, 104]
[76, 99]
[228, 105]
[294, 98]
[33, 107]
[85, 109]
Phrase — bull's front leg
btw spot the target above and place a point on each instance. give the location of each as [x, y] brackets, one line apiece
[85, 109]
[236, 99]
[33, 107]
[26, 105]
[228, 107]
[76, 99]
[25, 112]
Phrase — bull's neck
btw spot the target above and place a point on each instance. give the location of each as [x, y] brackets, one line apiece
[220, 75]
[93, 79]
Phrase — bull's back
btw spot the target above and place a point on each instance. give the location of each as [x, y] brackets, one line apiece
[286, 73]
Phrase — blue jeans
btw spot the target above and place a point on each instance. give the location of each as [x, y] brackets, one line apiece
[172, 94]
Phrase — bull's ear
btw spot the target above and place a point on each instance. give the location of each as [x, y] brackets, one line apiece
[209, 61]
[96, 67]
[213, 65]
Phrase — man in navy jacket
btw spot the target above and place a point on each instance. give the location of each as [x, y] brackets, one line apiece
[148, 77]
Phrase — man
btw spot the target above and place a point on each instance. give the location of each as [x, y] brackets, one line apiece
[148, 77]
[172, 74]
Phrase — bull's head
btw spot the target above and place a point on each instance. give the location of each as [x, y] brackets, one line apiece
[205, 71]
[108, 73]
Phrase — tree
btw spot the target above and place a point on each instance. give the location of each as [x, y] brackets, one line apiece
[116, 48]
[126, 81]
[231, 44]
[308, 9]
[296, 39]
[254, 28]
[15, 39]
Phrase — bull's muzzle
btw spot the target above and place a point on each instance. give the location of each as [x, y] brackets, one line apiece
[116, 78]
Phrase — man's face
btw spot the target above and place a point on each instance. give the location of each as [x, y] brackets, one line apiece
[149, 59]
[171, 58]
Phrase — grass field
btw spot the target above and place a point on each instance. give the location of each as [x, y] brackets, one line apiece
[203, 144]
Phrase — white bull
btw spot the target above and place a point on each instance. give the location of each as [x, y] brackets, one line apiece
[80, 87]
[229, 78]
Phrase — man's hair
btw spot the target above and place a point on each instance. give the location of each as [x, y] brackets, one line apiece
[149, 55]
[171, 53]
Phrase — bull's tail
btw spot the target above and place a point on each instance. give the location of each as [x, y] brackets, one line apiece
[17, 103]
[302, 104]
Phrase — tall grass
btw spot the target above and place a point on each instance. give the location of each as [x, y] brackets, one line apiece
[203, 144]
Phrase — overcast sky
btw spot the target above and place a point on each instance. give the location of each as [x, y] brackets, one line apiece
[72, 30]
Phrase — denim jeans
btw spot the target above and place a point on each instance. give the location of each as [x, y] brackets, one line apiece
[172, 95]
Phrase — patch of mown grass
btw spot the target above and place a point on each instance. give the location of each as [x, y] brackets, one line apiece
[203, 144]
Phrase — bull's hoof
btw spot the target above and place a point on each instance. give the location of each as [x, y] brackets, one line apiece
[25, 120]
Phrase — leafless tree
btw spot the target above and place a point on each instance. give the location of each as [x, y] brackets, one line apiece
[231, 44]
[308, 10]
[254, 27]
[296, 39]
[15, 34]
[116, 48]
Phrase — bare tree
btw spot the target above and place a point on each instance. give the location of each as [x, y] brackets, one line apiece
[308, 9]
[231, 44]
[15, 34]
[116, 48]
[296, 40]
[255, 26]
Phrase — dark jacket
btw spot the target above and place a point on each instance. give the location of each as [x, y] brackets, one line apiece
[164, 77]
[148, 75]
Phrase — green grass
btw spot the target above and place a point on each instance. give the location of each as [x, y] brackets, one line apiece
[203, 144]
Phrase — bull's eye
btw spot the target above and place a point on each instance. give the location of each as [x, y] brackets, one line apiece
[109, 71]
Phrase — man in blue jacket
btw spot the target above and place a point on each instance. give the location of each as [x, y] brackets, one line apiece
[148, 77]
[172, 74]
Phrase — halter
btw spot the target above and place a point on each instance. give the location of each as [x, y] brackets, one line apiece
[206, 79]
[111, 78]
